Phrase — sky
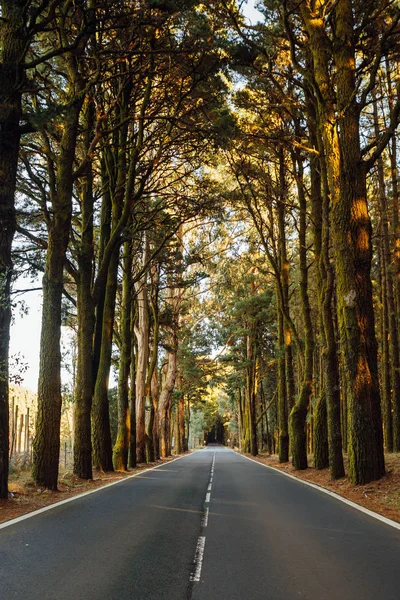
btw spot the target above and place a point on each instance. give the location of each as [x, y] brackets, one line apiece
[25, 331]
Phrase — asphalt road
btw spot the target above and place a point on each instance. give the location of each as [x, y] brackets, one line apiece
[209, 526]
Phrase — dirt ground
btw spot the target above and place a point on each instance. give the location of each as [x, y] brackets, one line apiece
[381, 496]
[25, 496]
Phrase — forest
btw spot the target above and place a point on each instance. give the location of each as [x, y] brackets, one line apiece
[212, 207]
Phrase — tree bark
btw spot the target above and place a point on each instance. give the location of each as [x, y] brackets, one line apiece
[86, 321]
[14, 45]
[166, 398]
[351, 235]
[102, 446]
[121, 447]
[142, 331]
[282, 403]
[46, 445]
[299, 411]
[393, 338]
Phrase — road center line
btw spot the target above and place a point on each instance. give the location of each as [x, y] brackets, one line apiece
[198, 559]
[209, 487]
[208, 498]
[204, 521]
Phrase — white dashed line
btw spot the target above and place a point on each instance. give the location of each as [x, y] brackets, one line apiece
[201, 542]
[204, 521]
[198, 559]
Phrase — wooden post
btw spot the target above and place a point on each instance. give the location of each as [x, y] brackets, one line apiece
[14, 431]
[12, 426]
[21, 426]
[26, 443]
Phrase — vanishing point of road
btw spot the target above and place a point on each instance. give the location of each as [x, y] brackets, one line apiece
[209, 526]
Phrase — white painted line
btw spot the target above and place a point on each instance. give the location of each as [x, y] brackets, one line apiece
[209, 487]
[211, 479]
[208, 498]
[366, 511]
[204, 521]
[198, 559]
[56, 504]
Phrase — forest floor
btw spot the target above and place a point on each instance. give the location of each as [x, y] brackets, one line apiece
[382, 496]
[26, 496]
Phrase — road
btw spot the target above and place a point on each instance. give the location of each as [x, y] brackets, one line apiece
[209, 526]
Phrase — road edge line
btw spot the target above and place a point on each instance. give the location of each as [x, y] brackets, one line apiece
[358, 507]
[34, 513]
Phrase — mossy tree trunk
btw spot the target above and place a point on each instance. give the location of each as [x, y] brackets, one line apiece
[391, 333]
[282, 403]
[320, 430]
[321, 447]
[351, 233]
[353, 254]
[386, 391]
[132, 392]
[330, 354]
[393, 154]
[283, 274]
[298, 414]
[251, 391]
[101, 434]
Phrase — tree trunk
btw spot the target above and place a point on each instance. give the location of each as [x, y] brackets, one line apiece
[180, 416]
[351, 235]
[46, 445]
[321, 447]
[121, 447]
[132, 394]
[330, 355]
[166, 399]
[86, 323]
[282, 404]
[298, 413]
[12, 74]
[142, 331]
[155, 396]
[102, 446]
[395, 195]
[385, 357]
[353, 253]
[393, 337]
